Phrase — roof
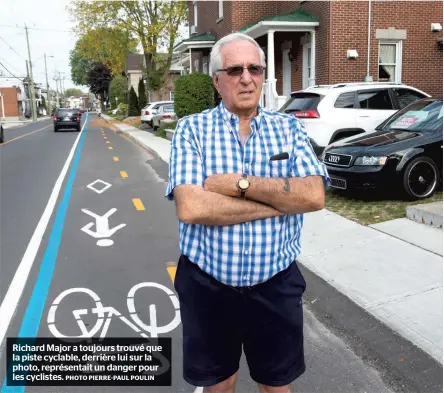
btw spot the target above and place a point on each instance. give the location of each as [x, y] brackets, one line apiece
[298, 15]
[202, 40]
[134, 61]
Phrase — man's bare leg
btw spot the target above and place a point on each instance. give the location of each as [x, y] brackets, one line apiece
[226, 386]
[274, 389]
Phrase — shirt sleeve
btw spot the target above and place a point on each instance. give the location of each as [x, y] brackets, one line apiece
[185, 160]
[306, 162]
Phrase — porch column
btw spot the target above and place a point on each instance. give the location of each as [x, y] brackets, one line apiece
[191, 63]
[271, 80]
[312, 76]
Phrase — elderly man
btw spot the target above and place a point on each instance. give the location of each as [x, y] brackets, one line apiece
[242, 177]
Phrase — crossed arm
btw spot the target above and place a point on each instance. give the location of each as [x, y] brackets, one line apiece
[217, 203]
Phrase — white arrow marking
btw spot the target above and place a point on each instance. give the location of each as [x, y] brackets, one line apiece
[102, 227]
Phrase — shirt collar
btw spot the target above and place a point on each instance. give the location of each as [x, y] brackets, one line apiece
[233, 119]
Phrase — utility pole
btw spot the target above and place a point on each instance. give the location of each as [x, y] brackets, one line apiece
[34, 107]
[57, 90]
[48, 97]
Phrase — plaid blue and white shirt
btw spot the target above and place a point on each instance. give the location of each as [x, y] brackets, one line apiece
[208, 143]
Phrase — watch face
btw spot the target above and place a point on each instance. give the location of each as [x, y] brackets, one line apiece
[243, 184]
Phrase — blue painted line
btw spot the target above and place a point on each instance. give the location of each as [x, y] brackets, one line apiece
[33, 314]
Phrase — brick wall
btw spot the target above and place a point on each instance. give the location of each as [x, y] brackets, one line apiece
[422, 59]
[208, 17]
[10, 102]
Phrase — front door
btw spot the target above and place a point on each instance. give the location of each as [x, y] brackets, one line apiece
[286, 71]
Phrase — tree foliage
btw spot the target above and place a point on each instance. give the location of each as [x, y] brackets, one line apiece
[99, 78]
[73, 92]
[193, 93]
[118, 88]
[80, 66]
[155, 24]
[133, 107]
[142, 95]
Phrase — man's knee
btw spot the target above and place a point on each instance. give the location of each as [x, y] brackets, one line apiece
[275, 389]
[226, 386]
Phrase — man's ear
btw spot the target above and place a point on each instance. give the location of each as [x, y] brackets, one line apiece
[216, 82]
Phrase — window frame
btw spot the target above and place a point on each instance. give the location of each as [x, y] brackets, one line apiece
[221, 9]
[398, 58]
[172, 93]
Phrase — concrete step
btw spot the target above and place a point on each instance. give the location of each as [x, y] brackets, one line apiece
[428, 213]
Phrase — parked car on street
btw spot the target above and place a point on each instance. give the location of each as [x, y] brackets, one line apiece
[334, 112]
[147, 113]
[66, 118]
[2, 133]
[165, 112]
[404, 153]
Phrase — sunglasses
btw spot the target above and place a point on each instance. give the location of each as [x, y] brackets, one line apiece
[254, 70]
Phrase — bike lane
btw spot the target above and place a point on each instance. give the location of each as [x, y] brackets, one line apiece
[116, 240]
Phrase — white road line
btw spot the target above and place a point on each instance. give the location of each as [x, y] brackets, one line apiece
[15, 290]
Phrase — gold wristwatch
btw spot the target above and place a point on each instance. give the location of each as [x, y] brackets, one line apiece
[243, 184]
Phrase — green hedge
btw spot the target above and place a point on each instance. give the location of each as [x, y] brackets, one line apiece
[193, 93]
[161, 131]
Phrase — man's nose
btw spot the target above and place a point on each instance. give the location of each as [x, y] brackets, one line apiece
[246, 76]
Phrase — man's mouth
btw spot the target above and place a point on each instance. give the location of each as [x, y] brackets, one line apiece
[246, 92]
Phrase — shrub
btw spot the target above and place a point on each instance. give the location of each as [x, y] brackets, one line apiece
[161, 131]
[133, 108]
[193, 93]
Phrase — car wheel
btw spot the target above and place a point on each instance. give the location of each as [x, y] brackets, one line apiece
[420, 178]
[2, 135]
[55, 129]
[150, 123]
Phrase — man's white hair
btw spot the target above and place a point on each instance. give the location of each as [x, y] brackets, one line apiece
[216, 60]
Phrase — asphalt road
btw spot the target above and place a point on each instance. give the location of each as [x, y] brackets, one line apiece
[123, 259]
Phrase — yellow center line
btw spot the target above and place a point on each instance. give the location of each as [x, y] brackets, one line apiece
[107, 141]
[110, 147]
[116, 159]
[21, 136]
[138, 204]
[171, 269]
[123, 174]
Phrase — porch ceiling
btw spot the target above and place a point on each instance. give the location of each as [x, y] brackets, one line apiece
[298, 20]
[204, 40]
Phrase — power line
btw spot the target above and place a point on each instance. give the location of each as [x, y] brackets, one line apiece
[10, 72]
[10, 47]
[36, 28]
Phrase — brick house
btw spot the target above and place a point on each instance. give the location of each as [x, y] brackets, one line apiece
[11, 102]
[323, 42]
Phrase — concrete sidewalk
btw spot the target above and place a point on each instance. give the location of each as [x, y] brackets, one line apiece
[7, 124]
[380, 269]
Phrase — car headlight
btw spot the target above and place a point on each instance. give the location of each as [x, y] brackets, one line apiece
[370, 160]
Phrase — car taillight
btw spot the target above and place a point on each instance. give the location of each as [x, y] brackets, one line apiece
[54, 118]
[166, 117]
[311, 114]
[147, 113]
[78, 118]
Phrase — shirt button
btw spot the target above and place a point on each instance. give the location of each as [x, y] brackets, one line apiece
[246, 278]
[246, 252]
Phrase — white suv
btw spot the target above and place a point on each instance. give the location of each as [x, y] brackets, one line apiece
[147, 113]
[333, 112]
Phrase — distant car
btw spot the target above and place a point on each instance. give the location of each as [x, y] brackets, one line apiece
[147, 113]
[66, 118]
[165, 112]
[404, 153]
[334, 112]
[2, 134]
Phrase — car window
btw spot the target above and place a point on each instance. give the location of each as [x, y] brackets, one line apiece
[301, 102]
[375, 99]
[406, 96]
[169, 108]
[345, 100]
[420, 116]
[64, 112]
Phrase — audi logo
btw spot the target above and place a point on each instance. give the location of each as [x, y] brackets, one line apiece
[333, 159]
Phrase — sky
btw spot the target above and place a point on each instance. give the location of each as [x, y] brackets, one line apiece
[53, 37]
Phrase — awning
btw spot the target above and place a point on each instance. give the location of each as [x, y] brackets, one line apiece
[298, 20]
[199, 41]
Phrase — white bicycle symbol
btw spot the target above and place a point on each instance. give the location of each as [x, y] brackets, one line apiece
[105, 314]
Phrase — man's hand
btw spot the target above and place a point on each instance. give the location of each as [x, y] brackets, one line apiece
[224, 184]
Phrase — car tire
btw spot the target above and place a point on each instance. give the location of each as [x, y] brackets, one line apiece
[150, 123]
[420, 178]
[55, 129]
[2, 135]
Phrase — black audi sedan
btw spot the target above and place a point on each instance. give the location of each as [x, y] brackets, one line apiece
[66, 118]
[403, 154]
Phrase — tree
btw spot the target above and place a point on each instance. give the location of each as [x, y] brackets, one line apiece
[117, 89]
[99, 78]
[142, 95]
[80, 66]
[133, 108]
[154, 23]
[72, 92]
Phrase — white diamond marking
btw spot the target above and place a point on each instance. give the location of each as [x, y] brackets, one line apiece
[99, 191]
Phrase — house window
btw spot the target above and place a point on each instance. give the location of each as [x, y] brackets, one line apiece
[221, 9]
[390, 61]
[171, 95]
[195, 12]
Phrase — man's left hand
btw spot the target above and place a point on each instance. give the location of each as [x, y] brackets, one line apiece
[224, 184]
